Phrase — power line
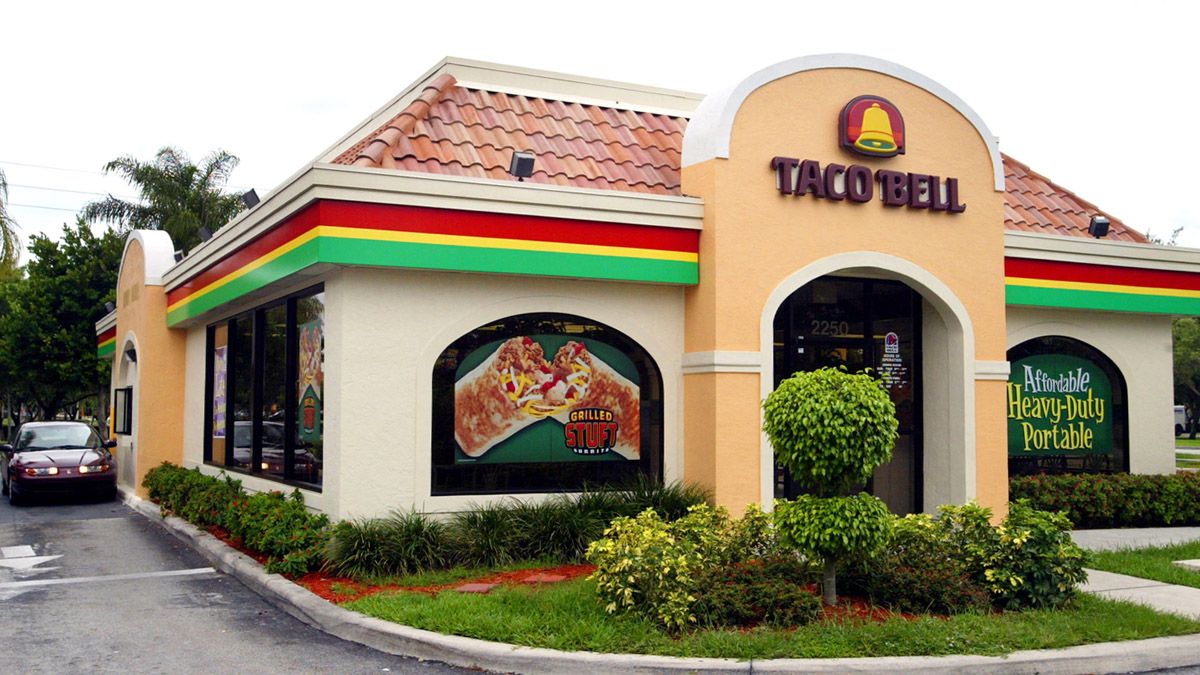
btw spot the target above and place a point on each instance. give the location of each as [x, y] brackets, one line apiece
[54, 189]
[51, 168]
[48, 208]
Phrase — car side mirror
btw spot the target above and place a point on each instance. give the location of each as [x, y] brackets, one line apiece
[110, 444]
[6, 447]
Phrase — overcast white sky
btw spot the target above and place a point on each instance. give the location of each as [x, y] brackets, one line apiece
[1101, 97]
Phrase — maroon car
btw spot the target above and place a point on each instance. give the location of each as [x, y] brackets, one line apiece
[62, 458]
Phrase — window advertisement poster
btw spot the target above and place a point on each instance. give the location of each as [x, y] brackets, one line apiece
[1058, 405]
[546, 398]
[310, 381]
[219, 388]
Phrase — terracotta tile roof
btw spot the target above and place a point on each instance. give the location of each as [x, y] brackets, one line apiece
[1034, 203]
[459, 131]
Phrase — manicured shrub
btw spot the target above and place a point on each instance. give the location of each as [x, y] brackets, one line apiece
[1029, 561]
[919, 570]
[281, 528]
[160, 480]
[484, 536]
[671, 501]
[555, 530]
[756, 592]
[402, 543]
[1114, 500]
[651, 567]
[831, 430]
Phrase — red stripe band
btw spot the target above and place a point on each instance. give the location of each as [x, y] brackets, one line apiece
[1100, 274]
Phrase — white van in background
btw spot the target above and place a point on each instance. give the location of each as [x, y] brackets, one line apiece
[1180, 420]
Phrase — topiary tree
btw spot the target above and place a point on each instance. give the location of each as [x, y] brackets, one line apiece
[831, 429]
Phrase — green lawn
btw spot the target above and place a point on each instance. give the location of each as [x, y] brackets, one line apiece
[1152, 563]
[1184, 462]
[1185, 442]
[568, 616]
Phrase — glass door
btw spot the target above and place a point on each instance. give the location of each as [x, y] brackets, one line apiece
[860, 323]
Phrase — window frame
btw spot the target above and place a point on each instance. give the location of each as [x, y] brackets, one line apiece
[473, 479]
[257, 351]
[123, 401]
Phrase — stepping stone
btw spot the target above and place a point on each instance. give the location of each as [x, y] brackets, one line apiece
[474, 588]
[542, 578]
[1193, 565]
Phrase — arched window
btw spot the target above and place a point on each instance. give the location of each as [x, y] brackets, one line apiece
[544, 403]
[1067, 409]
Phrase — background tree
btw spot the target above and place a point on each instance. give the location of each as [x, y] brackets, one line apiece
[47, 327]
[1186, 334]
[831, 430]
[10, 244]
[176, 196]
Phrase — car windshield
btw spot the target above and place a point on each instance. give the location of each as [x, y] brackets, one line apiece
[64, 436]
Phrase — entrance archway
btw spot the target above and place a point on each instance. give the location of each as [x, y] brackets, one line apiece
[937, 459]
[127, 377]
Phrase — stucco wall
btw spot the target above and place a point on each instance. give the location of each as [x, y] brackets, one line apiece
[158, 377]
[757, 242]
[1140, 346]
[386, 329]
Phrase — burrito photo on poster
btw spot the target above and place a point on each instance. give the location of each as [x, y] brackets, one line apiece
[605, 389]
[490, 401]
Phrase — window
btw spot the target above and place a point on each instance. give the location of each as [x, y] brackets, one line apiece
[544, 403]
[123, 411]
[265, 390]
[1067, 410]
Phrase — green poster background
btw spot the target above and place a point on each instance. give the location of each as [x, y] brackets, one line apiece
[1047, 423]
[543, 441]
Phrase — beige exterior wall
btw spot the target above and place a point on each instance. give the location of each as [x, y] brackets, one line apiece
[758, 246]
[386, 328]
[157, 377]
[1141, 348]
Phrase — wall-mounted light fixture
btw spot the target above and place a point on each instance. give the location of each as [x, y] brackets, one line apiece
[250, 198]
[109, 307]
[1098, 226]
[204, 234]
[521, 165]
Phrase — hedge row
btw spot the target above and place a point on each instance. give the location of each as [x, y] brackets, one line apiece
[279, 527]
[1114, 500]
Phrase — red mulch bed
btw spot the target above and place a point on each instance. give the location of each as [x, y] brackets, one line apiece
[322, 584]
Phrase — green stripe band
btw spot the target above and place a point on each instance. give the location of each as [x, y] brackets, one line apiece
[351, 251]
[1034, 296]
[106, 350]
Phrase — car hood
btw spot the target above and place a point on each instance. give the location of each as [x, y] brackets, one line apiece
[44, 458]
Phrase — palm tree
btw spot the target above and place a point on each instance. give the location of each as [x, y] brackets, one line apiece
[10, 244]
[177, 196]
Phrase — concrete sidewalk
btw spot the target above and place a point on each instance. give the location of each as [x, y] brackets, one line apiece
[1181, 600]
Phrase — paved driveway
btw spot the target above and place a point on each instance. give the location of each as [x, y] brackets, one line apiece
[96, 587]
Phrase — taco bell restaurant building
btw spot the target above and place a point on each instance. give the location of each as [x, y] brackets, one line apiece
[513, 282]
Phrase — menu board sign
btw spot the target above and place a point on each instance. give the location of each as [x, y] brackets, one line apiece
[220, 369]
[1058, 405]
[310, 382]
[546, 398]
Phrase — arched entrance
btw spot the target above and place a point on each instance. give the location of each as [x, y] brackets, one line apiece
[861, 324]
[867, 309]
[127, 378]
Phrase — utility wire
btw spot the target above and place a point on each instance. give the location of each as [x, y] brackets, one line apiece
[77, 192]
[48, 208]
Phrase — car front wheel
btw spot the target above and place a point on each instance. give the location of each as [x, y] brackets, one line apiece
[14, 499]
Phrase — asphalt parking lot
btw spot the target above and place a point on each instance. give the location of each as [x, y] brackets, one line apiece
[93, 586]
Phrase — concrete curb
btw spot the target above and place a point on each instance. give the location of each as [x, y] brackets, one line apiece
[1109, 657]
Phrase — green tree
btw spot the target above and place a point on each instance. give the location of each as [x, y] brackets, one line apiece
[1186, 353]
[177, 196]
[831, 430]
[47, 328]
[10, 244]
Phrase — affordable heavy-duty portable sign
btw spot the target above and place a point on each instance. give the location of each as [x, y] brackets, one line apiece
[1058, 404]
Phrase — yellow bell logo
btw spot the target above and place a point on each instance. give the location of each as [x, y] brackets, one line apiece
[876, 137]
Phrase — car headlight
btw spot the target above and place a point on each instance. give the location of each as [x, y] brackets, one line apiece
[94, 468]
[47, 471]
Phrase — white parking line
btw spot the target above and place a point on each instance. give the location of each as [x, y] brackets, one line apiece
[16, 551]
[112, 577]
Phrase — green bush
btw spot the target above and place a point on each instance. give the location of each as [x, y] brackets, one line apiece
[554, 530]
[484, 536]
[160, 480]
[1114, 500]
[402, 543]
[651, 567]
[919, 570]
[281, 528]
[1029, 561]
[831, 430]
[208, 502]
[755, 592]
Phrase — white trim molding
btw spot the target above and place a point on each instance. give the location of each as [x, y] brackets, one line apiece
[992, 370]
[722, 362]
[709, 131]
